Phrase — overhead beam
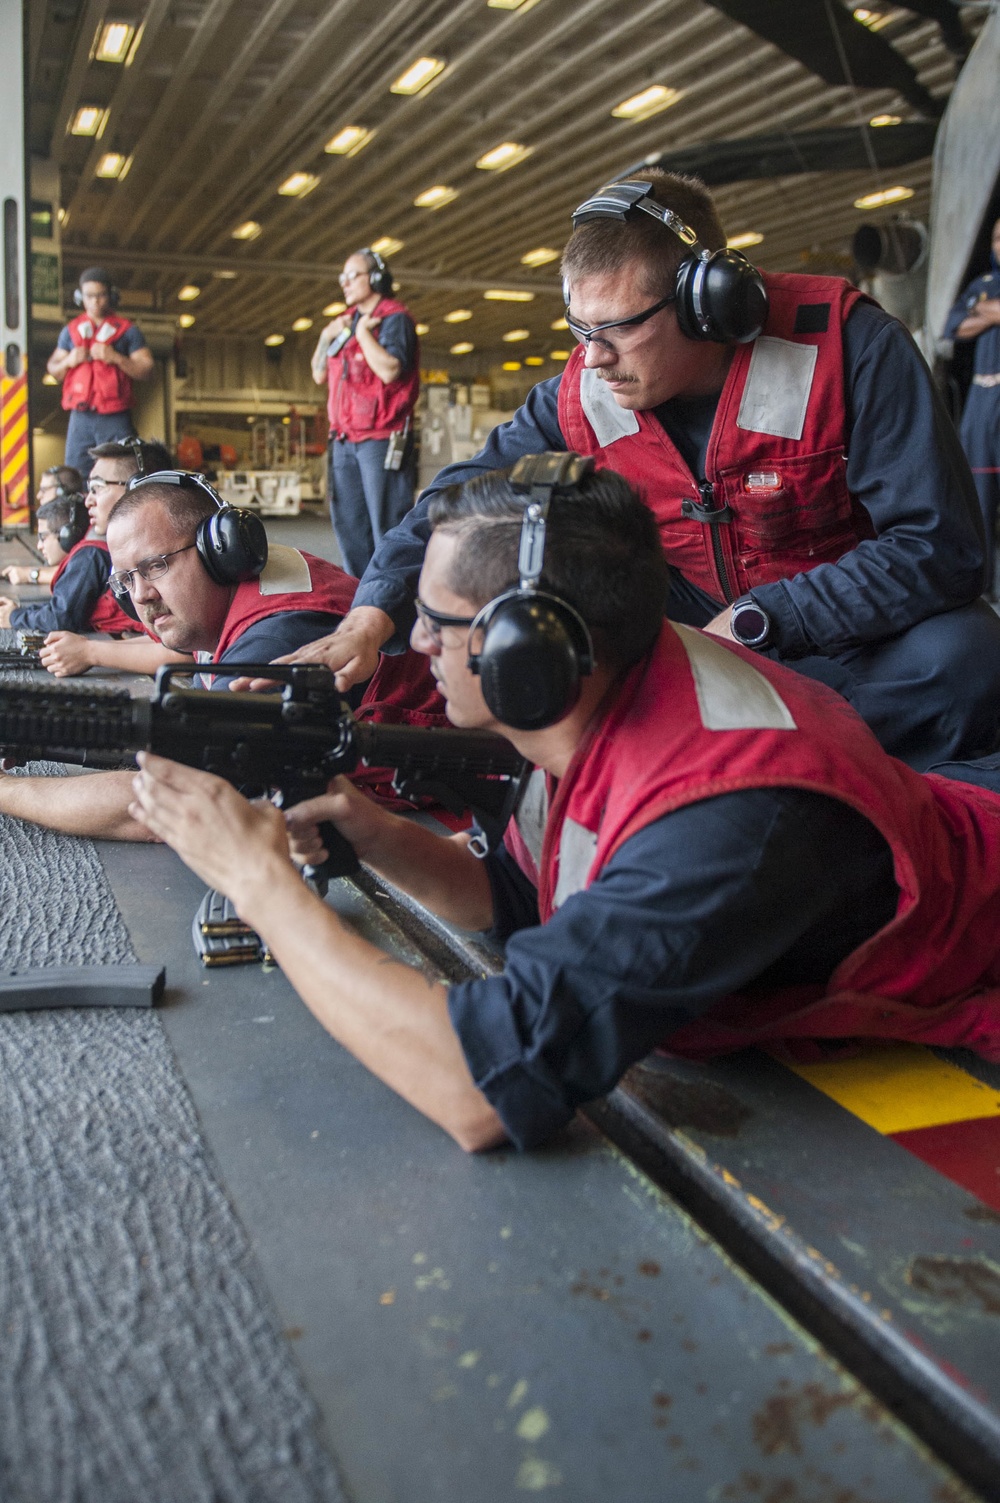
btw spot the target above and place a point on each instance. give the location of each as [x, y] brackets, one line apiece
[191, 264]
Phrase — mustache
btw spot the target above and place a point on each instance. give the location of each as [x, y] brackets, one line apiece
[617, 376]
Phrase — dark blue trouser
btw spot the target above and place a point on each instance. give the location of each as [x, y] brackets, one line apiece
[980, 434]
[88, 429]
[366, 500]
[932, 693]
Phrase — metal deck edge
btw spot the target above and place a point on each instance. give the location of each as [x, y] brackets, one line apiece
[947, 1417]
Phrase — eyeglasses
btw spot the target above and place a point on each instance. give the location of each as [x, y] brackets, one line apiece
[350, 276]
[97, 487]
[123, 580]
[40, 539]
[584, 334]
[433, 621]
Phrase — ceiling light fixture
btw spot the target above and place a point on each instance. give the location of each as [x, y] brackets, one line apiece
[533, 360]
[273, 340]
[558, 324]
[465, 348]
[418, 76]
[558, 354]
[224, 276]
[741, 242]
[113, 41]
[504, 295]
[113, 165]
[386, 245]
[188, 293]
[332, 309]
[540, 257]
[349, 141]
[301, 324]
[423, 328]
[298, 185]
[248, 230]
[186, 320]
[873, 19]
[435, 198]
[878, 120]
[650, 102]
[48, 380]
[513, 336]
[521, 5]
[458, 316]
[507, 154]
[883, 196]
[511, 365]
[89, 120]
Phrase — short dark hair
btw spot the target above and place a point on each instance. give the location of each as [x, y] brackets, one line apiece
[154, 455]
[185, 506]
[68, 479]
[604, 246]
[61, 511]
[603, 554]
[96, 274]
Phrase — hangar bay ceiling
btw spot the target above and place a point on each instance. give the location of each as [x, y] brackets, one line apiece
[239, 149]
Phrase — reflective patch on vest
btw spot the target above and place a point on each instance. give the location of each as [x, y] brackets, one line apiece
[609, 421]
[732, 695]
[105, 334]
[779, 381]
[285, 573]
[577, 848]
[533, 814]
[85, 329]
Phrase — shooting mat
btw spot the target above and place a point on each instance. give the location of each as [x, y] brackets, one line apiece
[140, 1354]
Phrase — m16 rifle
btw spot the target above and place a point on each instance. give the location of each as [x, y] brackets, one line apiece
[288, 743]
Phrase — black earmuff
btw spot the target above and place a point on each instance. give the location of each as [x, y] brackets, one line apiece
[76, 529]
[720, 294]
[535, 648]
[379, 275]
[231, 543]
[96, 274]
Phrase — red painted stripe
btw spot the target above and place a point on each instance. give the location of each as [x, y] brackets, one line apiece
[966, 1152]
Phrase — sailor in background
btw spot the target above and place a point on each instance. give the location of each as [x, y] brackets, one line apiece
[97, 357]
[976, 316]
[369, 358]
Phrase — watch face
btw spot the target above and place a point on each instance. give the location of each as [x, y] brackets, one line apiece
[750, 624]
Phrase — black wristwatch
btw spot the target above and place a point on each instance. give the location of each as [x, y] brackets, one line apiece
[749, 623]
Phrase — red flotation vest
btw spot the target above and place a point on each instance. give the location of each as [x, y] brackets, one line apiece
[698, 718]
[775, 468]
[95, 384]
[106, 615]
[362, 406]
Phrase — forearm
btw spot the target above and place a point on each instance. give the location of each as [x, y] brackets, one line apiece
[388, 1015]
[140, 656]
[440, 872]
[95, 805]
[387, 367]
[138, 366]
[972, 326]
[318, 362]
[58, 363]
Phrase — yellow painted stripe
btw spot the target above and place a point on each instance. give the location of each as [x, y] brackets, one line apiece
[15, 434]
[902, 1087]
[13, 404]
[13, 464]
